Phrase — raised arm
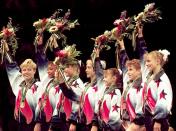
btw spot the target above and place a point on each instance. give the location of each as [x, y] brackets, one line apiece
[42, 60]
[123, 57]
[97, 65]
[14, 76]
[68, 90]
[140, 42]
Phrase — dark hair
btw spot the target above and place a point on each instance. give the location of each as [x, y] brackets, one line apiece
[115, 72]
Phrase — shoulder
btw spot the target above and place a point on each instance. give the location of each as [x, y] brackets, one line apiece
[37, 83]
[117, 91]
[164, 77]
[165, 80]
[79, 81]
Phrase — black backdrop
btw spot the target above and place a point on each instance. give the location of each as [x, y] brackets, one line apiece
[95, 16]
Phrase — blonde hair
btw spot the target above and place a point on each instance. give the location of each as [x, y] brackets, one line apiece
[135, 63]
[158, 55]
[28, 62]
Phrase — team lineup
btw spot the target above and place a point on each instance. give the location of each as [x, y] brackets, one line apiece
[136, 95]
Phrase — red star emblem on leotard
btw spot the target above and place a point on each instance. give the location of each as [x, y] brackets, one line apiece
[115, 107]
[163, 94]
[112, 94]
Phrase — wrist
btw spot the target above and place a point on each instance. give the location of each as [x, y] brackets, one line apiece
[122, 48]
[140, 35]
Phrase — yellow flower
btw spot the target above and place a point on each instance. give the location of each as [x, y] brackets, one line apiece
[11, 30]
[139, 17]
[72, 25]
[1, 35]
[36, 23]
[107, 33]
[114, 32]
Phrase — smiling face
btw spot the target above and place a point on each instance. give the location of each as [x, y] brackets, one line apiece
[89, 69]
[132, 72]
[69, 70]
[154, 61]
[28, 69]
[109, 79]
[28, 73]
[51, 70]
[151, 63]
[133, 69]
[112, 77]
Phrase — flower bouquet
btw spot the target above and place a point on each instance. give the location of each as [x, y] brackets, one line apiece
[54, 25]
[43, 25]
[101, 42]
[124, 25]
[61, 24]
[8, 42]
[65, 57]
[150, 14]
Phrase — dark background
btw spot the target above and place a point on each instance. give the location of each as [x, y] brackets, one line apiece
[95, 16]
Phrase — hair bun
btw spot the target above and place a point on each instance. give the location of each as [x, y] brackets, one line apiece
[165, 54]
[120, 71]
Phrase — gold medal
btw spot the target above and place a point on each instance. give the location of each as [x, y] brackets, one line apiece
[22, 104]
[44, 103]
[124, 105]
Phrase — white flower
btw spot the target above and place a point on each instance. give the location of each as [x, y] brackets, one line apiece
[149, 7]
[118, 21]
[107, 33]
[53, 21]
[165, 54]
[36, 23]
[48, 20]
[53, 29]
